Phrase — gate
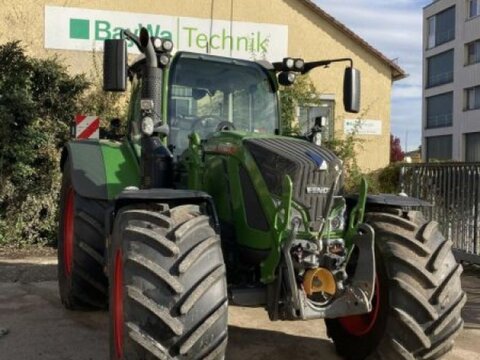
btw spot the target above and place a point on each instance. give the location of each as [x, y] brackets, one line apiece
[453, 190]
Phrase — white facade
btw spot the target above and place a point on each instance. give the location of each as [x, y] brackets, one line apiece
[438, 38]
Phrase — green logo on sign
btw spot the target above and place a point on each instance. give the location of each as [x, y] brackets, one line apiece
[103, 30]
[79, 29]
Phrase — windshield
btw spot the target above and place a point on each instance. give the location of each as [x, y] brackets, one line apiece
[208, 94]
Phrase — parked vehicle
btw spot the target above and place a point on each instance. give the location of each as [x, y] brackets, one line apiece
[204, 202]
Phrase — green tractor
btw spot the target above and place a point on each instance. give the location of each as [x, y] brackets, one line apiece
[203, 203]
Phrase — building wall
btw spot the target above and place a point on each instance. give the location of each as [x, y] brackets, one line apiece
[310, 37]
[464, 122]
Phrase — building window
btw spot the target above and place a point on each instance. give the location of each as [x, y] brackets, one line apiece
[472, 147]
[308, 114]
[441, 27]
[439, 147]
[440, 69]
[473, 8]
[440, 110]
[473, 52]
[472, 98]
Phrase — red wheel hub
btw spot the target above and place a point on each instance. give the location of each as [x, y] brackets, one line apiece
[68, 229]
[359, 325]
[118, 305]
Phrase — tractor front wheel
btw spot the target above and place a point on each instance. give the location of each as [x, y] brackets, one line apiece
[418, 295]
[81, 246]
[168, 292]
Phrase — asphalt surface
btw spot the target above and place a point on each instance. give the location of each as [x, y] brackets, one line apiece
[35, 326]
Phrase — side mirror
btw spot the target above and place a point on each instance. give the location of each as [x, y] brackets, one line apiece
[351, 90]
[115, 65]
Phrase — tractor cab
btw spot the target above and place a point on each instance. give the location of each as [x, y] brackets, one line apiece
[207, 94]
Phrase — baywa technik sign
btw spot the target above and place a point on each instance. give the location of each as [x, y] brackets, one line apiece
[85, 29]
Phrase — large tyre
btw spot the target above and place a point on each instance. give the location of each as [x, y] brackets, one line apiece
[168, 290]
[418, 295]
[81, 247]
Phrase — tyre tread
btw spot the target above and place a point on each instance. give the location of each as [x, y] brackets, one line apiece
[146, 341]
[424, 279]
[160, 312]
[174, 278]
[157, 270]
[203, 328]
[136, 233]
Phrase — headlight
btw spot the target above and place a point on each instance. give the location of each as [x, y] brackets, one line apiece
[167, 45]
[299, 64]
[289, 63]
[336, 220]
[164, 60]
[147, 125]
[294, 214]
[336, 223]
[286, 78]
[157, 43]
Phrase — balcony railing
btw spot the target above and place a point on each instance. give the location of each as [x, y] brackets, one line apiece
[440, 79]
[437, 121]
[444, 36]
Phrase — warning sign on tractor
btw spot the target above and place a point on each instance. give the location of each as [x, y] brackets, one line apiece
[86, 127]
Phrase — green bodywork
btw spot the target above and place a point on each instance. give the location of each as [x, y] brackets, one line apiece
[102, 169]
[121, 167]
[217, 175]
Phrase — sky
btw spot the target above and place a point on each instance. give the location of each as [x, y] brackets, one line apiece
[395, 28]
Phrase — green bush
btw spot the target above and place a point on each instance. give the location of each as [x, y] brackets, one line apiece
[38, 99]
[301, 93]
[385, 180]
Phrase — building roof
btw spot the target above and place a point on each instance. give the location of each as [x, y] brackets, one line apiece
[397, 72]
[428, 5]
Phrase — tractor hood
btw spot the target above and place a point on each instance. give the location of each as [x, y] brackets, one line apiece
[313, 170]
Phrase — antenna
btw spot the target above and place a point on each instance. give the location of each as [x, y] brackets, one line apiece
[211, 27]
[406, 141]
[231, 25]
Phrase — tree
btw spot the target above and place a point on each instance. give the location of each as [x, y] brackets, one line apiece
[396, 152]
[38, 99]
[301, 93]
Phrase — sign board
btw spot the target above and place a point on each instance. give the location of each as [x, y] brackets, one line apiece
[86, 127]
[362, 127]
[85, 29]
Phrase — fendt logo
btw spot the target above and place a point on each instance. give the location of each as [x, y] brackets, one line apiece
[255, 42]
[86, 29]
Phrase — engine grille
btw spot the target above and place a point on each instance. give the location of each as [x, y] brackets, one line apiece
[299, 159]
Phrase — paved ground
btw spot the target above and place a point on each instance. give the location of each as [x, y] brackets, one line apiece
[40, 329]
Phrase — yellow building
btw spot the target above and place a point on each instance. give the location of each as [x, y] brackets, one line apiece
[247, 29]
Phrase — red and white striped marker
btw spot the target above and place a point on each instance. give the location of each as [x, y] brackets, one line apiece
[87, 127]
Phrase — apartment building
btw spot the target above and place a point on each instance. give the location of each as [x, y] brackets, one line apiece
[451, 91]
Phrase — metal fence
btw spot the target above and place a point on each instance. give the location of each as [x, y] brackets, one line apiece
[454, 191]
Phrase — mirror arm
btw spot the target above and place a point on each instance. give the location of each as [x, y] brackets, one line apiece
[134, 38]
[314, 64]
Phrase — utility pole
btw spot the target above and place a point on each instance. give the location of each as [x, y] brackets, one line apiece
[406, 141]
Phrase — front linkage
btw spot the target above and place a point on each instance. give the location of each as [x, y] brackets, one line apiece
[352, 295]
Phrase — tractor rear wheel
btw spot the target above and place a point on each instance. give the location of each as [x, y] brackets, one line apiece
[418, 295]
[168, 293]
[81, 246]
